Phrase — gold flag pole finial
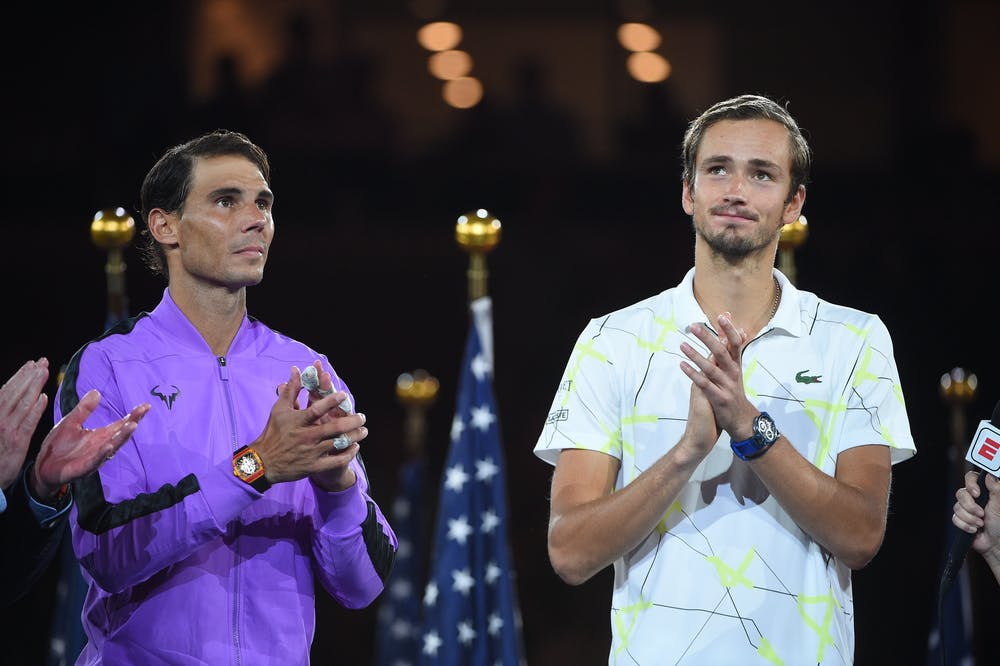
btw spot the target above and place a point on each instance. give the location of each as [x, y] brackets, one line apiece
[416, 391]
[478, 233]
[112, 229]
[793, 235]
[958, 388]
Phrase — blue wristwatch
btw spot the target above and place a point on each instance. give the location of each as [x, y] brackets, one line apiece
[765, 433]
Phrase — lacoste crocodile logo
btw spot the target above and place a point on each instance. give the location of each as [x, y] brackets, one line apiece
[168, 399]
[802, 378]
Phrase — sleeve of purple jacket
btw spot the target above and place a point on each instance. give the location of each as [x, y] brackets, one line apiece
[353, 545]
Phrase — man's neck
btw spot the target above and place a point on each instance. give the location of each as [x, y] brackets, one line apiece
[746, 290]
[216, 312]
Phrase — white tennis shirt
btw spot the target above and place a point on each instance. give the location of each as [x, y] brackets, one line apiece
[727, 577]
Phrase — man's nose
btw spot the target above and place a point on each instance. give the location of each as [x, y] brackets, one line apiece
[255, 220]
[735, 189]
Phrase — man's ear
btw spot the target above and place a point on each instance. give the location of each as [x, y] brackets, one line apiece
[687, 199]
[162, 226]
[793, 209]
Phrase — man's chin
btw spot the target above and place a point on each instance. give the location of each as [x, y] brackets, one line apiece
[244, 281]
[729, 244]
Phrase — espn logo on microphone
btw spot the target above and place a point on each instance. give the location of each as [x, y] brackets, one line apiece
[985, 450]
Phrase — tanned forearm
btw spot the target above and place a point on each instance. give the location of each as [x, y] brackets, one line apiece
[846, 515]
[591, 526]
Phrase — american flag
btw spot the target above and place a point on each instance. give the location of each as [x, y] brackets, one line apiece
[398, 626]
[471, 612]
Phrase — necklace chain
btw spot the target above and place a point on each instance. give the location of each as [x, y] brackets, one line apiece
[777, 299]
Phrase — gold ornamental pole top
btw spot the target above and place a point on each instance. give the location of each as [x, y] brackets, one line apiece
[793, 235]
[478, 233]
[416, 391]
[958, 388]
[112, 229]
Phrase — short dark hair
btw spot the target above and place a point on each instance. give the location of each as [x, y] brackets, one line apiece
[749, 107]
[168, 182]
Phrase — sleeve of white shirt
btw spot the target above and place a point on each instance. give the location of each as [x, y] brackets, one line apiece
[876, 411]
[585, 412]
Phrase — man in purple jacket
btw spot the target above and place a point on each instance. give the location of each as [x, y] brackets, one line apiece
[200, 539]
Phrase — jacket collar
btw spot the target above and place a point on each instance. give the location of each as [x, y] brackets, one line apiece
[175, 324]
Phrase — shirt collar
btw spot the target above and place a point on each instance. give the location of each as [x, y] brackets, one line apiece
[687, 311]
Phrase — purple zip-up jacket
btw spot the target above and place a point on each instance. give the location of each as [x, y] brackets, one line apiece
[185, 563]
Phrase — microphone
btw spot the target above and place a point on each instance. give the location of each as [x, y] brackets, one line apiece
[984, 453]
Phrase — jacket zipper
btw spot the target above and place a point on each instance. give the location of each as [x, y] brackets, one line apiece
[224, 377]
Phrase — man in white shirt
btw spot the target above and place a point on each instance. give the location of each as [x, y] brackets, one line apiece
[727, 444]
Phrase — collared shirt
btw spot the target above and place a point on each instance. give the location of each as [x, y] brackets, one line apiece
[727, 576]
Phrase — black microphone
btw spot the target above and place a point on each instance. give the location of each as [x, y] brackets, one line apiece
[984, 453]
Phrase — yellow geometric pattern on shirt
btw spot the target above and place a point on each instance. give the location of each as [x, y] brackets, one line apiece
[730, 577]
[821, 628]
[897, 391]
[862, 332]
[825, 430]
[747, 376]
[581, 352]
[667, 326]
[624, 621]
[628, 449]
[863, 374]
[766, 650]
[613, 444]
[809, 406]
[662, 527]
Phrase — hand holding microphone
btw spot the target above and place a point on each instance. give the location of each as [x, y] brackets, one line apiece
[977, 513]
[978, 505]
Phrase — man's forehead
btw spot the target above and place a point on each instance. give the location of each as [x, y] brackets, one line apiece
[227, 171]
[757, 139]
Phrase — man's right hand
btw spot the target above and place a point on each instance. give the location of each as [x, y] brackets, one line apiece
[70, 451]
[701, 432]
[296, 443]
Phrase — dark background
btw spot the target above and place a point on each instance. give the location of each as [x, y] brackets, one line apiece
[371, 170]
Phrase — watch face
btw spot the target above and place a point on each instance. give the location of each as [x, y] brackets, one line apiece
[247, 464]
[766, 428]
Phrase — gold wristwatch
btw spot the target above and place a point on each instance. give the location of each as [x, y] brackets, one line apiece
[249, 468]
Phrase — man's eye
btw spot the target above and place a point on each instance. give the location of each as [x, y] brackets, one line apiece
[225, 202]
[264, 204]
[717, 170]
[762, 175]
